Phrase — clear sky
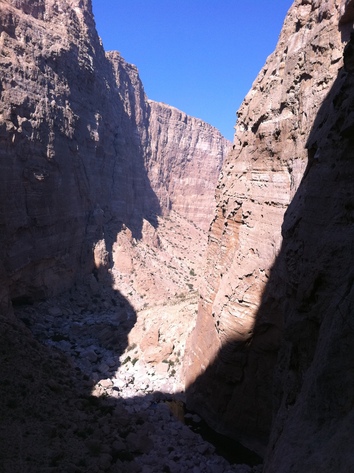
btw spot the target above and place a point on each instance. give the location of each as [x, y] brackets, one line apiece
[200, 56]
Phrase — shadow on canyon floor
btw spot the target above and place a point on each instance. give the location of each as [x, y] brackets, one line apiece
[307, 303]
[58, 413]
[50, 421]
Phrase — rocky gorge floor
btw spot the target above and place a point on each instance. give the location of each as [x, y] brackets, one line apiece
[93, 380]
[85, 398]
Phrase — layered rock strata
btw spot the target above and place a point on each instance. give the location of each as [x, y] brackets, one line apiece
[76, 160]
[69, 164]
[247, 298]
[182, 154]
[313, 277]
[75, 200]
[182, 157]
[184, 163]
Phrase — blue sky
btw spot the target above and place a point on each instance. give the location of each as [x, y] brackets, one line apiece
[200, 56]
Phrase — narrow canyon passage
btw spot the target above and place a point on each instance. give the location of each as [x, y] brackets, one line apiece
[147, 264]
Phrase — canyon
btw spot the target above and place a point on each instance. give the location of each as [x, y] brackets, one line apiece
[81, 147]
[129, 286]
[278, 291]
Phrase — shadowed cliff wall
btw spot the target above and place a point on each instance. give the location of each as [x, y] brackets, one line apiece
[76, 160]
[245, 301]
[71, 170]
[314, 377]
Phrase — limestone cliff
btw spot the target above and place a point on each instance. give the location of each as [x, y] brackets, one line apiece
[184, 163]
[76, 160]
[182, 154]
[182, 157]
[76, 204]
[260, 295]
[69, 163]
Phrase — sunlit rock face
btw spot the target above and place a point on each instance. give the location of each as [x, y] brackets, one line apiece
[182, 157]
[185, 162]
[182, 154]
[240, 326]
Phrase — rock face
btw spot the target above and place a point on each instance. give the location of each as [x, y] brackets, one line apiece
[69, 164]
[185, 162]
[313, 281]
[76, 159]
[263, 298]
[165, 266]
[183, 155]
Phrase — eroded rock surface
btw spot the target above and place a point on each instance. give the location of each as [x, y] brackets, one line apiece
[185, 162]
[182, 154]
[71, 169]
[282, 130]
[164, 266]
[77, 205]
[182, 157]
[76, 146]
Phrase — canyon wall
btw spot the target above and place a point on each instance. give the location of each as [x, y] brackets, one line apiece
[271, 311]
[76, 161]
[313, 280]
[184, 163]
[182, 157]
[69, 163]
[182, 154]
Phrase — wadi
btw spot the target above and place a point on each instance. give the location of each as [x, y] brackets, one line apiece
[171, 301]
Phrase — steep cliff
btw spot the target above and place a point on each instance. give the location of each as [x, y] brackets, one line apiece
[182, 154]
[182, 157]
[184, 163]
[70, 166]
[76, 205]
[250, 303]
[76, 133]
